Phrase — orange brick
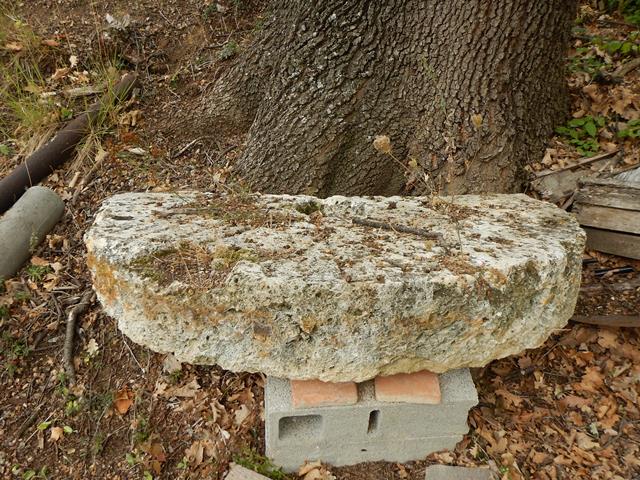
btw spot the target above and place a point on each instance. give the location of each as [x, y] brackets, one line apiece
[314, 393]
[420, 387]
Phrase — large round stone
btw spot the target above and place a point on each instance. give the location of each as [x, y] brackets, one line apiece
[336, 289]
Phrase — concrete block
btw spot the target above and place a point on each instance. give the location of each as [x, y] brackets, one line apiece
[367, 431]
[418, 387]
[446, 472]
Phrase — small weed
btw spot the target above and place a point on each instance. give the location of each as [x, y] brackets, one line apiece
[36, 273]
[309, 207]
[14, 347]
[72, 408]
[4, 311]
[61, 386]
[100, 402]
[229, 50]
[631, 130]
[133, 458]
[260, 464]
[22, 296]
[209, 11]
[175, 377]
[629, 8]
[582, 133]
[142, 431]
[97, 446]
[183, 464]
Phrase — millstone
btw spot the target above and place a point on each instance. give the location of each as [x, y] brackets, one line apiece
[339, 289]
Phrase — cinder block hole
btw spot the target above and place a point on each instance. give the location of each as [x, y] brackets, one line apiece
[374, 419]
[290, 428]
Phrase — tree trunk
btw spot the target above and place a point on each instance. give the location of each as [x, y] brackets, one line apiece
[467, 90]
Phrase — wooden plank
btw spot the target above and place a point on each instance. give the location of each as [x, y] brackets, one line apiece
[623, 244]
[608, 218]
[611, 286]
[609, 193]
[556, 187]
[559, 184]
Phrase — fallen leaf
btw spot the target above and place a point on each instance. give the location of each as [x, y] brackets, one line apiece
[308, 466]
[50, 42]
[188, 390]
[39, 262]
[60, 73]
[124, 400]
[241, 414]
[510, 399]
[56, 433]
[13, 46]
[92, 347]
[585, 442]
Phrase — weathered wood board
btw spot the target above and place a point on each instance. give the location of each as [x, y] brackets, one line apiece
[623, 244]
[609, 209]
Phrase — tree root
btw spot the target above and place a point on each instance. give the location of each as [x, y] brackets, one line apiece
[78, 309]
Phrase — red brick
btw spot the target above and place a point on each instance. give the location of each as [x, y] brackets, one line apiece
[314, 393]
[420, 387]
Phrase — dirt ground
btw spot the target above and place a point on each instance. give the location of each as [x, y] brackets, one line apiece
[566, 410]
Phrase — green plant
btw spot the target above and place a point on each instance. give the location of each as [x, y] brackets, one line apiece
[22, 295]
[36, 273]
[142, 431]
[72, 407]
[229, 50]
[582, 133]
[258, 463]
[4, 311]
[629, 8]
[632, 130]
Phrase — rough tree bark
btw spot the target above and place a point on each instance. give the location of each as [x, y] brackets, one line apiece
[469, 89]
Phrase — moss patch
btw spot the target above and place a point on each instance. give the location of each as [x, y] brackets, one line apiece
[236, 210]
[193, 265]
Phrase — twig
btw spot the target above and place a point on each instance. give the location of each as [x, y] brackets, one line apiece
[398, 228]
[579, 163]
[78, 309]
[625, 68]
[124, 340]
[632, 321]
[87, 177]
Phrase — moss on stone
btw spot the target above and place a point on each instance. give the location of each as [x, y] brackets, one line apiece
[193, 265]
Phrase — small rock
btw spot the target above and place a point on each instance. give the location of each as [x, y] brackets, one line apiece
[171, 364]
[237, 472]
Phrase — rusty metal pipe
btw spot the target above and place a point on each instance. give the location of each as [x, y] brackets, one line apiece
[60, 148]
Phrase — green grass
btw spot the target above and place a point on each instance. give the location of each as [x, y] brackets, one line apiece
[260, 464]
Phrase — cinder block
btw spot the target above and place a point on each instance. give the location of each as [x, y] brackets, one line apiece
[418, 387]
[367, 431]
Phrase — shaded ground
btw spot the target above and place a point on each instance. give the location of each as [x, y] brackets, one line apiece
[566, 410]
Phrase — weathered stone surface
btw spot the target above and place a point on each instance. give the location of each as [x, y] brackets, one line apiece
[303, 288]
